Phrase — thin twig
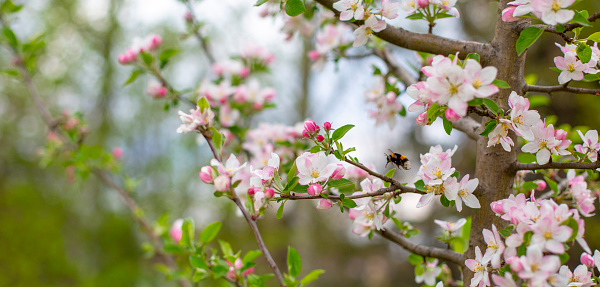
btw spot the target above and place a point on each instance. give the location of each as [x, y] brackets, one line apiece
[556, 165]
[426, 251]
[375, 174]
[203, 42]
[562, 88]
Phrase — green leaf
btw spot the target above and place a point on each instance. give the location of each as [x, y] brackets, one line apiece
[390, 173]
[341, 131]
[415, 259]
[466, 232]
[291, 173]
[294, 262]
[10, 36]
[473, 56]
[475, 102]
[572, 223]
[529, 185]
[506, 232]
[444, 201]
[447, 125]
[531, 79]
[560, 28]
[260, 2]
[165, 56]
[580, 19]
[210, 232]
[595, 37]
[315, 149]
[491, 105]
[489, 127]
[527, 38]
[198, 262]
[553, 185]
[457, 244]
[585, 53]
[226, 248]
[203, 104]
[420, 186]
[312, 276]
[187, 238]
[199, 275]
[251, 255]
[500, 84]
[294, 7]
[279, 214]
[434, 112]
[340, 182]
[134, 75]
[348, 203]
[526, 158]
[147, 58]
[416, 16]
[217, 139]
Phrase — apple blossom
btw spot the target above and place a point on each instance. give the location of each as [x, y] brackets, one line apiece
[314, 189]
[324, 204]
[451, 227]
[481, 78]
[176, 232]
[231, 166]
[222, 183]
[500, 135]
[196, 118]
[364, 31]
[479, 267]
[430, 273]
[156, 90]
[313, 168]
[552, 12]
[206, 174]
[543, 142]
[117, 152]
[587, 260]
[522, 119]
[464, 193]
[571, 68]
[350, 9]
[389, 10]
[590, 146]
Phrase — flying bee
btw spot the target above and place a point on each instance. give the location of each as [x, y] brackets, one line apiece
[398, 160]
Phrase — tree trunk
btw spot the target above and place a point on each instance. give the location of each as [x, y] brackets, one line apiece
[493, 163]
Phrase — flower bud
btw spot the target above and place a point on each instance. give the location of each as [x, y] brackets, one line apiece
[188, 17]
[156, 90]
[269, 193]
[422, 119]
[339, 172]
[305, 134]
[560, 134]
[222, 183]
[314, 189]
[423, 3]
[117, 152]
[541, 185]
[248, 271]
[311, 127]
[497, 207]
[324, 204]
[251, 191]
[206, 174]
[507, 14]
[515, 263]
[313, 55]
[327, 126]
[155, 42]
[320, 138]
[452, 116]
[238, 264]
[175, 232]
[587, 260]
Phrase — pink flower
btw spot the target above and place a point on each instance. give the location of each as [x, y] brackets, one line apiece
[389, 10]
[206, 174]
[543, 143]
[156, 90]
[314, 189]
[324, 204]
[538, 267]
[350, 9]
[481, 79]
[587, 260]
[327, 126]
[269, 193]
[222, 183]
[522, 119]
[507, 14]
[339, 172]
[551, 12]
[175, 232]
[313, 168]
[572, 69]
[541, 184]
[590, 146]
[117, 152]
[422, 119]
[311, 127]
[320, 138]
[195, 119]
[451, 227]
[495, 246]
[364, 31]
[154, 42]
[452, 115]
[479, 267]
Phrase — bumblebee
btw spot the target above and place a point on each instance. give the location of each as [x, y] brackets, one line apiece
[398, 160]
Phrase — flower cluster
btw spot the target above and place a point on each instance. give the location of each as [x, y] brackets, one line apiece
[148, 44]
[332, 37]
[571, 67]
[199, 118]
[384, 95]
[532, 253]
[451, 85]
[261, 183]
[283, 140]
[436, 173]
[369, 215]
[221, 175]
[355, 9]
[551, 12]
[521, 121]
[430, 9]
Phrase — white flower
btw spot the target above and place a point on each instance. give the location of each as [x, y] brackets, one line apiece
[364, 31]
[313, 168]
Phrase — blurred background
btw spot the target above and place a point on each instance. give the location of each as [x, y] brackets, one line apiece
[56, 233]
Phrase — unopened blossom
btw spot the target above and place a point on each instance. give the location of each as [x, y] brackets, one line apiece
[451, 227]
[571, 68]
[117, 152]
[543, 142]
[364, 31]
[507, 14]
[451, 115]
[464, 193]
[314, 167]
[156, 90]
[196, 118]
[314, 189]
[222, 183]
[479, 267]
[553, 12]
[430, 273]
[324, 204]
[390, 9]
[206, 174]
[350, 9]
[590, 146]
[339, 172]
[495, 246]
[176, 232]
[587, 260]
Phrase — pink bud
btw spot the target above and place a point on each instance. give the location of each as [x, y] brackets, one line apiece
[206, 174]
[324, 204]
[305, 134]
[238, 264]
[423, 3]
[123, 60]
[587, 260]
[188, 17]
[422, 119]
[314, 189]
[452, 116]
[248, 271]
[222, 183]
[327, 126]
[541, 185]
[313, 55]
[175, 233]
[560, 134]
[390, 97]
[339, 172]
[497, 207]
[155, 42]
[320, 138]
[251, 191]
[515, 263]
[245, 72]
[507, 14]
[269, 193]
[311, 127]
[117, 152]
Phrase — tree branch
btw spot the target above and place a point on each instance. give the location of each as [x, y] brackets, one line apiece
[369, 171]
[423, 42]
[427, 251]
[563, 88]
[195, 24]
[556, 165]
[468, 126]
[401, 189]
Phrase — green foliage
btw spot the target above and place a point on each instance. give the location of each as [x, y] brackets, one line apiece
[294, 7]
[527, 38]
[187, 238]
[341, 131]
[210, 232]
